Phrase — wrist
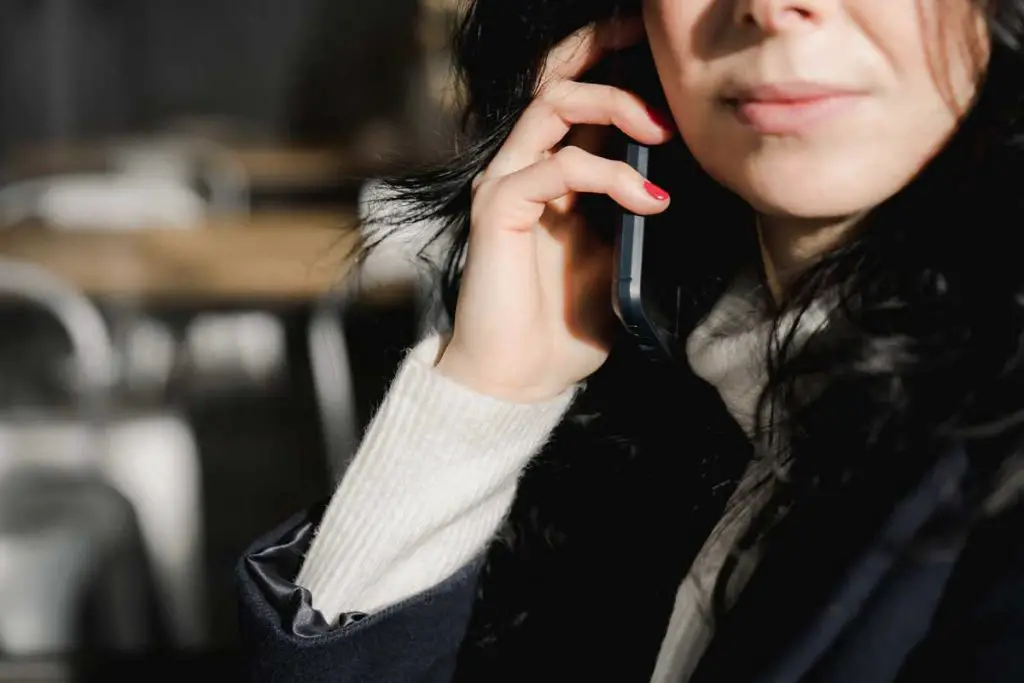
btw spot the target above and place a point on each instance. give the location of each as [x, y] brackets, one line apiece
[459, 369]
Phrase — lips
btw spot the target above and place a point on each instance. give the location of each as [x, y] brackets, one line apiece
[789, 108]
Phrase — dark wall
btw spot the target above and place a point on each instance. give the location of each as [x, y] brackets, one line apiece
[59, 70]
[313, 68]
[355, 64]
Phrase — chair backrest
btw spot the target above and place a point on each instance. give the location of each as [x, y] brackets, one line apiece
[94, 362]
[60, 523]
[136, 480]
[333, 383]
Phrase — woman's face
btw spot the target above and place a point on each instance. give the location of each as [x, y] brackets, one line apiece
[816, 108]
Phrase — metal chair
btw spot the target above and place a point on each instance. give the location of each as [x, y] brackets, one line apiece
[130, 481]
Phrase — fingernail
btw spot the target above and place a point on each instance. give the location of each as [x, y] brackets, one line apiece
[655, 191]
[661, 118]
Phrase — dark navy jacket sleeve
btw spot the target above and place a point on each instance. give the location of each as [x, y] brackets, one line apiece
[978, 632]
[285, 639]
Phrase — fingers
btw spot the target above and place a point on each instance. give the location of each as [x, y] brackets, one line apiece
[517, 201]
[565, 104]
[572, 57]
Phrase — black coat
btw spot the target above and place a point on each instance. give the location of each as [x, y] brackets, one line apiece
[580, 583]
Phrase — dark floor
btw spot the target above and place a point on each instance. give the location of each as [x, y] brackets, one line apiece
[263, 461]
[263, 455]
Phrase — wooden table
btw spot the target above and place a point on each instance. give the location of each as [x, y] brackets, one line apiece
[275, 256]
[291, 167]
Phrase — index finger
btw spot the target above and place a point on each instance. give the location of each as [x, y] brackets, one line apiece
[576, 54]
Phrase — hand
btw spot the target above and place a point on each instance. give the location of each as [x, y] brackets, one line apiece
[534, 312]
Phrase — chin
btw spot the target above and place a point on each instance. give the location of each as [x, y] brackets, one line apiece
[803, 205]
[810, 190]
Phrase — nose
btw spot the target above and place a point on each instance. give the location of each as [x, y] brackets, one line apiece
[775, 16]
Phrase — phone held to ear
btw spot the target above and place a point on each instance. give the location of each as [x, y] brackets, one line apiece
[646, 303]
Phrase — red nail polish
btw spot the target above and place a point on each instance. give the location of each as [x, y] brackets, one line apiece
[655, 191]
[661, 118]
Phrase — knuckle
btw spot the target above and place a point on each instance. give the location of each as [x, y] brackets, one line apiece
[483, 196]
[539, 110]
[568, 159]
[623, 172]
[488, 186]
[619, 105]
[478, 180]
[570, 155]
[544, 87]
[478, 216]
[495, 205]
[543, 104]
[619, 99]
[556, 98]
[550, 90]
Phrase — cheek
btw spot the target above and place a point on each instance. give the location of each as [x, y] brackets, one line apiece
[935, 49]
[679, 34]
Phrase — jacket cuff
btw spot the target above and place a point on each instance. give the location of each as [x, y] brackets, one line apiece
[272, 565]
[267, 570]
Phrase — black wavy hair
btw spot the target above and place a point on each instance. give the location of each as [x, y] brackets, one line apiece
[923, 347]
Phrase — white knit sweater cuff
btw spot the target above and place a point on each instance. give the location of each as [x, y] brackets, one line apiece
[433, 479]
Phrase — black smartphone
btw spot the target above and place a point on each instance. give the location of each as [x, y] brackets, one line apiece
[646, 301]
[645, 295]
[658, 262]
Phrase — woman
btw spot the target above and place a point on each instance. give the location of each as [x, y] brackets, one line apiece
[821, 486]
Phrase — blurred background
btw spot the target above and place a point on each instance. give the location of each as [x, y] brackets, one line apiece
[185, 361]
